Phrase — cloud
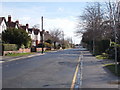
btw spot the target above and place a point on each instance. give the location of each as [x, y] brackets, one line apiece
[56, 0]
[60, 9]
[66, 24]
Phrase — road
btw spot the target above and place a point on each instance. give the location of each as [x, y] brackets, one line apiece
[51, 70]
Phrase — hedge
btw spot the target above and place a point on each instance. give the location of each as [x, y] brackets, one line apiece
[10, 47]
[100, 46]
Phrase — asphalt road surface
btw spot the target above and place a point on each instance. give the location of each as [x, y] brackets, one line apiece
[51, 70]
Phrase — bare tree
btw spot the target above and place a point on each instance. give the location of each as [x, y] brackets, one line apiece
[92, 19]
[55, 35]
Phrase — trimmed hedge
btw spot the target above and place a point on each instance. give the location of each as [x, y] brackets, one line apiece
[10, 47]
[100, 46]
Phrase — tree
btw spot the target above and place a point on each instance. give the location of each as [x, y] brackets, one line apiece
[92, 25]
[16, 36]
[55, 36]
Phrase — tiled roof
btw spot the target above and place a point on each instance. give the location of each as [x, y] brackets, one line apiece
[23, 27]
[30, 30]
[36, 31]
[11, 24]
[1, 19]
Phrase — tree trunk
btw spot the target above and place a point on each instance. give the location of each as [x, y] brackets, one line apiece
[54, 45]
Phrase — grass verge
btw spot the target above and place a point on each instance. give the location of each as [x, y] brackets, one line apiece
[111, 67]
[18, 54]
[101, 57]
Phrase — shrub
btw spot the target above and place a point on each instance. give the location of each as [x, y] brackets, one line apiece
[10, 47]
[16, 36]
[41, 45]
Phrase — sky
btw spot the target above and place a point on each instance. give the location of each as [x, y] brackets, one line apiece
[63, 15]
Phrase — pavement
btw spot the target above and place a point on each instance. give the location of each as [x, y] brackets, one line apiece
[95, 75]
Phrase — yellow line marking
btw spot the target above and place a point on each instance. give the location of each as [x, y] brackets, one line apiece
[75, 75]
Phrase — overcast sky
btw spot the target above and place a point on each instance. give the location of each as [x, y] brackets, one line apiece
[62, 15]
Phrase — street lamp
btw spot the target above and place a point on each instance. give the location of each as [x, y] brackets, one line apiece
[63, 40]
[115, 16]
[42, 34]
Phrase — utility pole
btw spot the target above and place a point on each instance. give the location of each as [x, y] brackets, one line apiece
[71, 43]
[93, 22]
[115, 17]
[42, 34]
[63, 39]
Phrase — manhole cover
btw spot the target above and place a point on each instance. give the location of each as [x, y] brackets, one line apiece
[46, 85]
[71, 64]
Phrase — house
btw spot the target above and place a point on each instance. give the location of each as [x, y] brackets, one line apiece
[35, 36]
[34, 33]
[24, 27]
[3, 25]
[47, 35]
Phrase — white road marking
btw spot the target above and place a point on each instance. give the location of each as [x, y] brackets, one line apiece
[1, 61]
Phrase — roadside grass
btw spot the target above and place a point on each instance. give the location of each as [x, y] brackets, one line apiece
[103, 56]
[18, 54]
[111, 67]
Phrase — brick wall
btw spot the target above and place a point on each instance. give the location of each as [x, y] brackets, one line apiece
[27, 50]
[40, 49]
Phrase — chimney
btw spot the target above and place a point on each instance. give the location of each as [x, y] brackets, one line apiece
[47, 32]
[9, 18]
[27, 25]
[17, 22]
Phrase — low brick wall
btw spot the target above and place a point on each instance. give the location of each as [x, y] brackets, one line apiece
[27, 50]
[40, 49]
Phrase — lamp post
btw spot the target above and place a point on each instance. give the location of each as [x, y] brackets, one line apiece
[42, 34]
[115, 17]
[63, 40]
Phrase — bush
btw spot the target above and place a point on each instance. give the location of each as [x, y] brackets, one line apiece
[16, 36]
[10, 47]
[41, 45]
[47, 45]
